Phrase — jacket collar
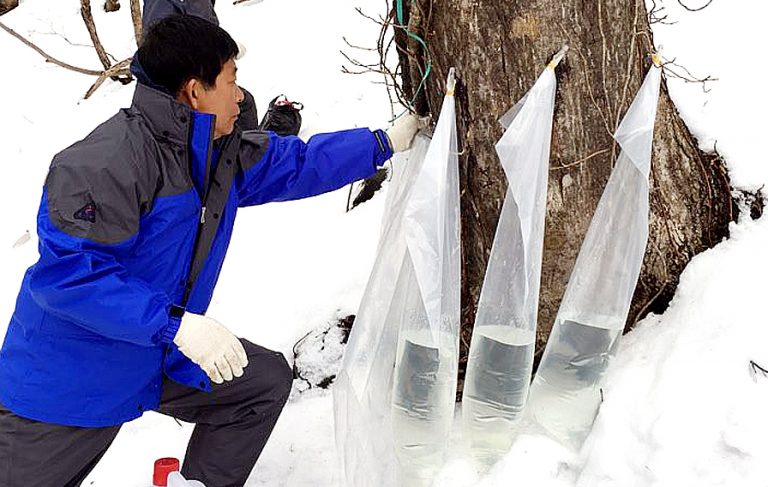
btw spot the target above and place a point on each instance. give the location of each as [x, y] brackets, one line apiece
[166, 117]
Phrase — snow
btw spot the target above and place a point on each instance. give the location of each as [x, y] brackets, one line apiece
[725, 41]
[682, 406]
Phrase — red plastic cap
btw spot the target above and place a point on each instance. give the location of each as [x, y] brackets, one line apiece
[164, 466]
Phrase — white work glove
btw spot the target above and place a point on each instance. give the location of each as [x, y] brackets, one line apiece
[175, 479]
[402, 133]
[210, 345]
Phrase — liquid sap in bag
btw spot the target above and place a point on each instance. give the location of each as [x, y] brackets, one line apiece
[566, 393]
[504, 335]
[394, 397]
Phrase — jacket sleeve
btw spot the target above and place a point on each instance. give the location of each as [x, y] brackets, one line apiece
[286, 168]
[156, 10]
[87, 225]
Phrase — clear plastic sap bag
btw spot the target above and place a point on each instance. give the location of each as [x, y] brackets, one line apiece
[363, 389]
[394, 397]
[566, 392]
[504, 335]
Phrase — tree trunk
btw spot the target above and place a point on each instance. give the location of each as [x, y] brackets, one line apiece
[499, 47]
[8, 5]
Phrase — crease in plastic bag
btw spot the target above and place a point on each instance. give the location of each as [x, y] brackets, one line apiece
[503, 339]
[566, 393]
[405, 336]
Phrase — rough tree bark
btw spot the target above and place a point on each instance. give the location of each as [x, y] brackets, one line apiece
[87, 15]
[498, 48]
[112, 5]
[136, 17]
[8, 5]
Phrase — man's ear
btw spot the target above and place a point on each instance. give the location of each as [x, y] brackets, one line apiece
[190, 93]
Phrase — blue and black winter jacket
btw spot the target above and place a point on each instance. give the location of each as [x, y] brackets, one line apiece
[133, 227]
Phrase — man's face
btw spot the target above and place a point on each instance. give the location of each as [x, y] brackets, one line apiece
[222, 100]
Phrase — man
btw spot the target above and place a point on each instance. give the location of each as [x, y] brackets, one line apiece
[133, 225]
[155, 10]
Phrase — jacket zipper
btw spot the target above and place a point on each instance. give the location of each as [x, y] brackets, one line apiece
[206, 187]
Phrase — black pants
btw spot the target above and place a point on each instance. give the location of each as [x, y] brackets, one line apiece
[232, 425]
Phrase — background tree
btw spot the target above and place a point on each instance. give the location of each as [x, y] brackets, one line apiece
[499, 47]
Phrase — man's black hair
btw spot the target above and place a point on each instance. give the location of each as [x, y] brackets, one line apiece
[182, 47]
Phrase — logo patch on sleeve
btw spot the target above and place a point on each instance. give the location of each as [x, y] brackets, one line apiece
[87, 213]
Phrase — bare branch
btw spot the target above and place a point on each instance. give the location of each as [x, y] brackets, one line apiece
[688, 77]
[136, 17]
[119, 71]
[656, 16]
[85, 12]
[114, 72]
[357, 47]
[381, 21]
[383, 46]
[756, 368]
[48, 57]
[357, 63]
[694, 9]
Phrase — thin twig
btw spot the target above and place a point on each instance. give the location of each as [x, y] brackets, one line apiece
[48, 57]
[346, 70]
[694, 9]
[655, 15]
[372, 49]
[688, 77]
[62, 36]
[383, 45]
[357, 63]
[380, 21]
[757, 368]
[581, 161]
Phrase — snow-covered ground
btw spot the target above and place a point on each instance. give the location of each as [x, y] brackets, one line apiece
[682, 405]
